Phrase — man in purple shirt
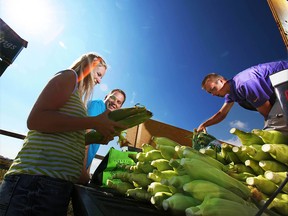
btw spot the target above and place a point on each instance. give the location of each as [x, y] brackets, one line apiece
[251, 89]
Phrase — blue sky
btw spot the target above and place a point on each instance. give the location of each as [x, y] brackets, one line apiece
[158, 52]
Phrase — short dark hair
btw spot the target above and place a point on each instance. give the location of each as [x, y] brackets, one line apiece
[211, 76]
[120, 91]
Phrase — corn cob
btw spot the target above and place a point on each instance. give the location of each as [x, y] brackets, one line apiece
[178, 202]
[200, 189]
[141, 156]
[273, 165]
[277, 178]
[128, 117]
[240, 168]
[198, 169]
[271, 136]
[146, 147]
[278, 151]
[243, 156]
[153, 155]
[189, 152]
[214, 154]
[166, 174]
[175, 163]
[163, 141]
[158, 198]
[155, 187]
[256, 153]
[241, 176]
[220, 207]
[255, 166]
[139, 194]
[161, 164]
[246, 138]
[228, 154]
[280, 206]
[167, 151]
[142, 167]
[264, 185]
[119, 186]
[179, 180]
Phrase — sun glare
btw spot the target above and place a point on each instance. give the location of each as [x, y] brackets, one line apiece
[34, 17]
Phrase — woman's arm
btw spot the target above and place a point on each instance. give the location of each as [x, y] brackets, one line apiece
[45, 116]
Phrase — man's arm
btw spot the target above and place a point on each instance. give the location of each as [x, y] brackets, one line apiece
[218, 117]
[265, 109]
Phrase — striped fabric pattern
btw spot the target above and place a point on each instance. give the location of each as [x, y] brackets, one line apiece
[58, 155]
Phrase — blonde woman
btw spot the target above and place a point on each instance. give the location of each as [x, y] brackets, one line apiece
[40, 180]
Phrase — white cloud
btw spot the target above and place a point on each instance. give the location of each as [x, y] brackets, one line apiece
[238, 124]
[61, 43]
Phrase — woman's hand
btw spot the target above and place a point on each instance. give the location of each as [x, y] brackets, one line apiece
[106, 127]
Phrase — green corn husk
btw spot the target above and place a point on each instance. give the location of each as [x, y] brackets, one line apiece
[155, 187]
[153, 155]
[228, 154]
[141, 156]
[120, 186]
[139, 194]
[128, 117]
[167, 151]
[158, 198]
[232, 157]
[277, 178]
[142, 167]
[279, 206]
[179, 180]
[189, 152]
[146, 147]
[139, 179]
[163, 141]
[273, 165]
[246, 138]
[200, 189]
[255, 152]
[241, 176]
[161, 164]
[271, 136]
[178, 202]
[255, 166]
[243, 156]
[264, 185]
[221, 207]
[240, 168]
[198, 169]
[278, 151]
[214, 154]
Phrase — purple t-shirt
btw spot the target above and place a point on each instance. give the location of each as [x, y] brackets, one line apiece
[252, 87]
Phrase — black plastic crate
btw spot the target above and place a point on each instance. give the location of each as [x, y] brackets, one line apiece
[88, 201]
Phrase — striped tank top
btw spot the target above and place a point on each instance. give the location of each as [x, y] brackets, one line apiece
[58, 155]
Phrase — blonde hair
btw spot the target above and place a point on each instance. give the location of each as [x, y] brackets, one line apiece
[85, 81]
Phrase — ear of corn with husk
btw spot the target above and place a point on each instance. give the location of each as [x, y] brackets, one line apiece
[128, 117]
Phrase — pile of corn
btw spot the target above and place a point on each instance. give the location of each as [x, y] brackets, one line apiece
[182, 180]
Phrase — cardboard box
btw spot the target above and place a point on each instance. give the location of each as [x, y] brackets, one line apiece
[143, 133]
